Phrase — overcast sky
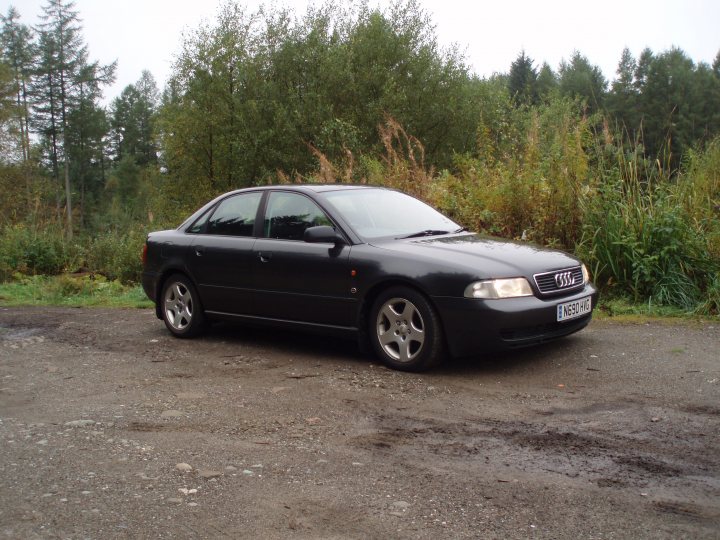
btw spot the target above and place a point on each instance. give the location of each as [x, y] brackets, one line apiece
[146, 34]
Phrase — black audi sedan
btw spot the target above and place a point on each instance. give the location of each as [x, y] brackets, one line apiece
[368, 262]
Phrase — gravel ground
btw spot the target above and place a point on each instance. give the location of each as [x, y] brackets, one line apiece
[111, 428]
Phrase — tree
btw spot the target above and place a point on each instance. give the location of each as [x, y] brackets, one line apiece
[622, 100]
[580, 79]
[547, 82]
[678, 104]
[133, 121]
[522, 81]
[8, 131]
[86, 131]
[16, 47]
[63, 71]
[255, 94]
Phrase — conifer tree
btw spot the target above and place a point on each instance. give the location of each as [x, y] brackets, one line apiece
[17, 49]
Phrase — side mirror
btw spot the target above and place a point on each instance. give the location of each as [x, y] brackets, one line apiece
[322, 234]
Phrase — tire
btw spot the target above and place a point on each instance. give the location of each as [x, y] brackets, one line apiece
[405, 331]
[181, 308]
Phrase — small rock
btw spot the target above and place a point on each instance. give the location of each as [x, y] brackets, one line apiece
[655, 419]
[248, 472]
[172, 414]
[230, 468]
[184, 467]
[190, 395]
[313, 421]
[42, 442]
[192, 504]
[207, 474]
[80, 423]
[357, 464]
[186, 491]
[402, 505]
[175, 500]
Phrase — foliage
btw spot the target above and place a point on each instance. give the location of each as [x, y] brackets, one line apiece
[626, 174]
[45, 251]
[35, 251]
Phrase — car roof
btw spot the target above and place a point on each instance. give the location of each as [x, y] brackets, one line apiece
[305, 188]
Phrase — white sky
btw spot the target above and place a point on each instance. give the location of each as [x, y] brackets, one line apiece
[146, 34]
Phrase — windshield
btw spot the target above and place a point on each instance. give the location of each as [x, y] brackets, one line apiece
[378, 213]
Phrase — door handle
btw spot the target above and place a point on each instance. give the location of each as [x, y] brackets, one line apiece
[264, 256]
[199, 251]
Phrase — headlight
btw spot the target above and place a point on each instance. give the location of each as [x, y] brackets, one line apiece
[499, 288]
[586, 274]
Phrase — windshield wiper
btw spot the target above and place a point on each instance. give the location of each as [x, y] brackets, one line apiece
[426, 232]
[461, 229]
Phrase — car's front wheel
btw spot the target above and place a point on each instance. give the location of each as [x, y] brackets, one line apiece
[405, 330]
[181, 309]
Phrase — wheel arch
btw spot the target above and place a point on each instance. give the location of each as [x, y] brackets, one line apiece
[376, 290]
[166, 273]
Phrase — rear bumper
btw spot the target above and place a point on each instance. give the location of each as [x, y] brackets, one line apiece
[473, 326]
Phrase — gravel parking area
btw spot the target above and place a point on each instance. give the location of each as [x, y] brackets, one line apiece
[111, 428]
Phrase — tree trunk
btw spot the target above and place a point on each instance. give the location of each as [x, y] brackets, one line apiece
[68, 198]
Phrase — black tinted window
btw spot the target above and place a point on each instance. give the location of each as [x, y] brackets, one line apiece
[289, 214]
[235, 216]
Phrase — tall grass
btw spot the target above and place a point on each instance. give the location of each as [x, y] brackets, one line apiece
[648, 234]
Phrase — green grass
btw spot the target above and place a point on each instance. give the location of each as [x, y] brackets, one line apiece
[624, 310]
[71, 291]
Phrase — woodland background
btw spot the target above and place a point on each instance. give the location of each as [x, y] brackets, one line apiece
[625, 173]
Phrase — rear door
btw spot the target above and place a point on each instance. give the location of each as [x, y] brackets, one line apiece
[221, 255]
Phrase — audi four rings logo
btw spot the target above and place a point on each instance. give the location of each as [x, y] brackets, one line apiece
[564, 279]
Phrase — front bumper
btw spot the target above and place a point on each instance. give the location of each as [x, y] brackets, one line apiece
[473, 326]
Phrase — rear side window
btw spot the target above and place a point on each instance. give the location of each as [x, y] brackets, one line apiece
[289, 214]
[235, 216]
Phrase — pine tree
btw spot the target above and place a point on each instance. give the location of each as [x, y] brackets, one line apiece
[16, 47]
[63, 74]
[580, 79]
[622, 101]
[522, 81]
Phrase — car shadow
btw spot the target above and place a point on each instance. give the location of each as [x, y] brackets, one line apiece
[288, 342]
[327, 348]
[510, 360]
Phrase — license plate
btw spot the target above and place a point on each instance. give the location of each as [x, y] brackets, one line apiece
[574, 309]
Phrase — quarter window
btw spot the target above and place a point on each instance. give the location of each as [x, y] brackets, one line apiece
[289, 214]
[235, 216]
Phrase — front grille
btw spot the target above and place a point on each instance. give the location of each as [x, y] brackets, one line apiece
[559, 281]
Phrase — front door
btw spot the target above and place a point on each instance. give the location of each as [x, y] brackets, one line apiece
[296, 280]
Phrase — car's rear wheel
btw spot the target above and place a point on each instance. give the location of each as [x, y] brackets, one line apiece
[181, 308]
[405, 330]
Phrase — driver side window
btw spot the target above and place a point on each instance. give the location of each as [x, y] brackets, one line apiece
[289, 214]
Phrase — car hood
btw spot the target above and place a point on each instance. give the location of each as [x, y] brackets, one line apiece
[483, 255]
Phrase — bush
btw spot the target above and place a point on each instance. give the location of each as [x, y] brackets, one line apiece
[33, 251]
[116, 256]
[46, 252]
